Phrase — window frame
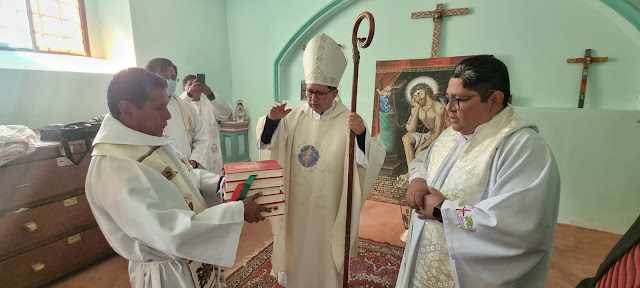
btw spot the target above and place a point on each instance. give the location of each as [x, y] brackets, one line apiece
[85, 33]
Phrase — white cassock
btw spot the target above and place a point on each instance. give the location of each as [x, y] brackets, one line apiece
[502, 187]
[146, 219]
[187, 130]
[309, 241]
[211, 112]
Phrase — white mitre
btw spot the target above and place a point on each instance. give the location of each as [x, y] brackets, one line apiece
[324, 61]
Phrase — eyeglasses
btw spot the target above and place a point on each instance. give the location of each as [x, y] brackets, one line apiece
[320, 95]
[455, 102]
[168, 78]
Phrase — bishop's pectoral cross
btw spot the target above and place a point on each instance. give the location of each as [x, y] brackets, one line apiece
[437, 18]
[586, 61]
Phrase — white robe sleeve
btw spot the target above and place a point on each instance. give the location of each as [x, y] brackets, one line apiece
[142, 205]
[361, 156]
[221, 109]
[209, 186]
[418, 167]
[200, 144]
[514, 225]
[260, 129]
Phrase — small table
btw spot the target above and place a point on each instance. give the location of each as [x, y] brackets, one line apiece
[234, 139]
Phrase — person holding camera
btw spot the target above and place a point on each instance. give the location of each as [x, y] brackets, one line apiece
[211, 110]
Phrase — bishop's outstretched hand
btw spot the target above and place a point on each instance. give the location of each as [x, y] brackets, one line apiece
[278, 111]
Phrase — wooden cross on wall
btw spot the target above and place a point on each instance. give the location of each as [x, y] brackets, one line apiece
[437, 18]
[586, 61]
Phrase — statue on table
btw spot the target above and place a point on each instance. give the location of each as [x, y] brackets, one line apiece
[241, 114]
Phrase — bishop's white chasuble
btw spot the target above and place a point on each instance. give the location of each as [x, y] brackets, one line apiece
[310, 237]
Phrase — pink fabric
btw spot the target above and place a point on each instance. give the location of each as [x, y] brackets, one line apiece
[624, 273]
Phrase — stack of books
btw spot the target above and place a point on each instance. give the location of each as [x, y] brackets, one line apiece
[267, 180]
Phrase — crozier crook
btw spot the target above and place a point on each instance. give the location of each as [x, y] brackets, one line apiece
[364, 43]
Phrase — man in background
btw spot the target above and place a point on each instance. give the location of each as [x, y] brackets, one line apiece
[185, 126]
[485, 193]
[211, 110]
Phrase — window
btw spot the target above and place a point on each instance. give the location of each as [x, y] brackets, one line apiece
[54, 26]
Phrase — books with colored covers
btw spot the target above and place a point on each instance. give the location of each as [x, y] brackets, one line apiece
[273, 201]
[265, 192]
[268, 181]
[242, 170]
[270, 199]
[258, 183]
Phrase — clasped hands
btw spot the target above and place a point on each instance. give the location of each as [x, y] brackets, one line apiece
[423, 198]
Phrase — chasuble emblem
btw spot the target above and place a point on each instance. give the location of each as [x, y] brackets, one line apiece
[465, 221]
[308, 156]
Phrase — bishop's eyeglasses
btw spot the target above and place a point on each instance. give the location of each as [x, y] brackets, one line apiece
[455, 102]
[320, 95]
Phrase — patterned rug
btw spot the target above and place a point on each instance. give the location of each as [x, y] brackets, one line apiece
[376, 267]
[389, 189]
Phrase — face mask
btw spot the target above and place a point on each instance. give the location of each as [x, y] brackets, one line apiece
[172, 87]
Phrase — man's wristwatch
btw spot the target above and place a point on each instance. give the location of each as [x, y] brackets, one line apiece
[437, 213]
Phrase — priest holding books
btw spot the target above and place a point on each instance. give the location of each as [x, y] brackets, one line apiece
[149, 201]
[311, 142]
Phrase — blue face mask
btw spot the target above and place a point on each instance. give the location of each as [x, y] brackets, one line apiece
[172, 87]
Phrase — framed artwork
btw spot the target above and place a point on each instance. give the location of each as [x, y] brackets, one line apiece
[407, 116]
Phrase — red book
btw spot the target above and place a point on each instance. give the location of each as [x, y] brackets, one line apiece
[242, 170]
[258, 183]
[251, 192]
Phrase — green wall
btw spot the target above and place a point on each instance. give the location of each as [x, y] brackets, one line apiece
[38, 89]
[596, 151]
[534, 39]
[192, 34]
[236, 43]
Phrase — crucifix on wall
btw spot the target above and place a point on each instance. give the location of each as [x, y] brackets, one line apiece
[437, 18]
[586, 61]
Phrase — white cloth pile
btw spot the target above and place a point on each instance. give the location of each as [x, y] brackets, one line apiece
[16, 141]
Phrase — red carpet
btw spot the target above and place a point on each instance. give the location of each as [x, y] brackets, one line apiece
[376, 267]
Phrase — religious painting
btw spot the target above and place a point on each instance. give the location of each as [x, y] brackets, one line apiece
[407, 116]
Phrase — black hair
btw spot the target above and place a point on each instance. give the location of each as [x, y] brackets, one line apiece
[158, 65]
[187, 78]
[484, 74]
[133, 85]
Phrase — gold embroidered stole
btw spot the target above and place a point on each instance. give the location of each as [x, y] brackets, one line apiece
[156, 159]
[465, 183]
[188, 121]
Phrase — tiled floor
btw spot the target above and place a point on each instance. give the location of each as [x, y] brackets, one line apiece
[577, 252]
